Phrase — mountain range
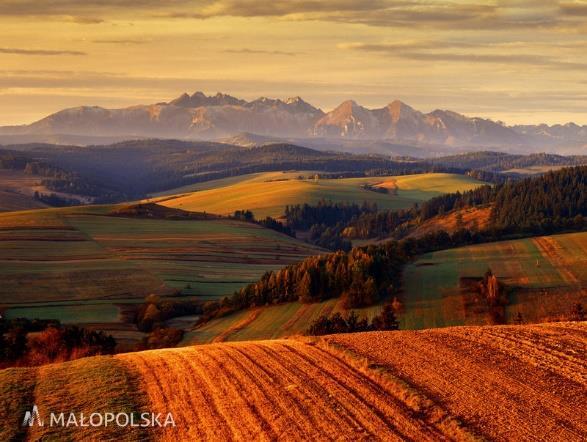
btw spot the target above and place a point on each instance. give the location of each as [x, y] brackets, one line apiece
[265, 120]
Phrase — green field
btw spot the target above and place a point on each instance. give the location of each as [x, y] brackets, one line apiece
[271, 322]
[546, 276]
[78, 264]
[267, 194]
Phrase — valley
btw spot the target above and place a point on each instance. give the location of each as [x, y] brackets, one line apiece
[82, 265]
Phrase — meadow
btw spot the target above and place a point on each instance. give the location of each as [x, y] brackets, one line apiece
[464, 383]
[269, 322]
[267, 194]
[545, 275]
[79, 264]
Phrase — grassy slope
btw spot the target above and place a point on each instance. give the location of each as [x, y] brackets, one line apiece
[471, 218]
[547, 275]
[494, 383]
[53, 261]
[268, 322]
[262, 194]
[98, 384]
[16, 190]
[545, 285]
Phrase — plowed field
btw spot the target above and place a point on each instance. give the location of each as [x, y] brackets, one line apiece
[494, 383]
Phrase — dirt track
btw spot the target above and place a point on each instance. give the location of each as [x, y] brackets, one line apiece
[499, 383]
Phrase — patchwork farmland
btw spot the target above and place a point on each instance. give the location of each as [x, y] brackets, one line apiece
[55, 260]
[465, 383]
[545, 277]
[267, 194]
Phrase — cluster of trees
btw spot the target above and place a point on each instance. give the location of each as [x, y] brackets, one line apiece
[500, 161]
[549, 203]
[543, 204]
[268, 222]
[326, 221]
[577, 312]
[25, 342]
[352, 323]
[304, 216]
[362, 277]
[55, 200]
[330, 237]
[153, 313]
[489, 296]
[161, 337]
[151, 316]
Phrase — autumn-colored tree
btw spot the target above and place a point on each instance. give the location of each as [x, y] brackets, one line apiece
[386, 320]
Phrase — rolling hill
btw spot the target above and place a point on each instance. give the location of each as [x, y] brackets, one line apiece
[17, 190]
[56, 260]
[267, 194]
[467, 383]
[545, 276]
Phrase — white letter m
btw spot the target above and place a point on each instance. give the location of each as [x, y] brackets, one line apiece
[30, 416]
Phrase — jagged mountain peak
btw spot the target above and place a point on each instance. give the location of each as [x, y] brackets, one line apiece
[221, 115]
[398, 109]
[198, 99]
[295, 100]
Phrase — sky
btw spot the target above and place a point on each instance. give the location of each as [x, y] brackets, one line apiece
[518, 61]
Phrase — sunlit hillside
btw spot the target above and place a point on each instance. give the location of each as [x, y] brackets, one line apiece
[471, 383]
[267, 194]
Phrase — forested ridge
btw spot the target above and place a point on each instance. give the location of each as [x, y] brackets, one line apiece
[131, 170]
[366, 275]
[548, 203]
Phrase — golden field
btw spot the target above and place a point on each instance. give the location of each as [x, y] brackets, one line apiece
[464, 383]
[267, 194]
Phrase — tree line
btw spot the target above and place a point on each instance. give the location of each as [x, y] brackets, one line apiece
[25, 342]
[555, 201]
[362, 276]
[352, 323]
[365, 275]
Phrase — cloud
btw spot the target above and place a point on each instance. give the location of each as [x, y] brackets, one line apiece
[511, 59]
[421, 51]
[574, 9]
[445, 14]
[86, 20]
[501, 14]
[74, 8]
[121, 41]
[260, 52]
[20, 51]
[399, 46]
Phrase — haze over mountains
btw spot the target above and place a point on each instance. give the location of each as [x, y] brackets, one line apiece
[265, 120]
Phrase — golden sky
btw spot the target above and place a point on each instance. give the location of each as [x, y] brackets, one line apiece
[520, 61]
